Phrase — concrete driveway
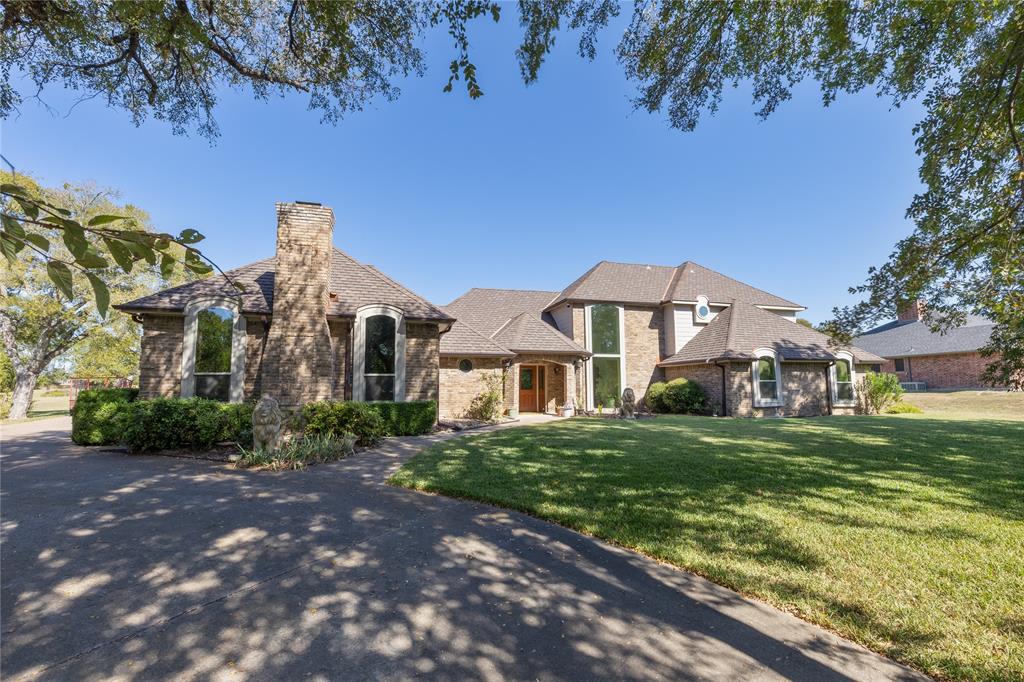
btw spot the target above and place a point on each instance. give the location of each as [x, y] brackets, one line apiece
[151, 567]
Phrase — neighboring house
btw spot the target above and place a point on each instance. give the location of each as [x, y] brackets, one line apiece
[629, 325]
[312, 323]
[292, 331]
[917, 354]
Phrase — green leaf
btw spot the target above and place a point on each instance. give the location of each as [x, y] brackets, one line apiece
[122, 254]
[13, 226]
[60, 275]
[7, 246]
[99, 289]
[38, 240]
[28, 207]
[77, 244]
[190, 236]
[166, 265]
[92, 260]
[104, 219]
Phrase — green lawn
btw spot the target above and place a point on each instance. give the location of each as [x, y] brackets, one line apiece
[970, 404]
[44, 407]
[904, 533]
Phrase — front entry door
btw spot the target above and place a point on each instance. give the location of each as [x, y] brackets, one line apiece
[527, 389]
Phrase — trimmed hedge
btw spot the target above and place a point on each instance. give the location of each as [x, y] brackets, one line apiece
[678, 396]
[186, 423]
[100, 415]
[369, 421]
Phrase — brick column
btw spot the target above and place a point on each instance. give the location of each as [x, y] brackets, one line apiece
[299, 366]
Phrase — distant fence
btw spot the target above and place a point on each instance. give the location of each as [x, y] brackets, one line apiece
[81, 384]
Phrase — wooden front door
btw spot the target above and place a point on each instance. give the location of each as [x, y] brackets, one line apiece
[532, 392]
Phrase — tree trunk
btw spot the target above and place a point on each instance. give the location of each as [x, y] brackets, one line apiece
[24, 385]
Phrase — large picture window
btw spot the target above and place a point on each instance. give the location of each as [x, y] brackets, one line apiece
[842, 380]
[767, 392]
[213, 353]
[213, 350]
[605, 337]
[379, 357]
[378, 371]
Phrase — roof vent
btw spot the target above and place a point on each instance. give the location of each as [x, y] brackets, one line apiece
[309, 203]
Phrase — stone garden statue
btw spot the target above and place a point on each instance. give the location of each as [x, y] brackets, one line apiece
[266, 425]
[628, 410]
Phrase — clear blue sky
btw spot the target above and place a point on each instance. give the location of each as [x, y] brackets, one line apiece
[526, 187]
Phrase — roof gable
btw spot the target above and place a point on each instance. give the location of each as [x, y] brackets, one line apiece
[739, 330]
[488, 309]
[692, 280]
[352, 285]
[527, 333]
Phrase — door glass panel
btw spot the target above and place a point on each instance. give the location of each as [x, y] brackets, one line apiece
[526, 378]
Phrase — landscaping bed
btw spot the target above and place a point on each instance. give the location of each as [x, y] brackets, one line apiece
[904, 533]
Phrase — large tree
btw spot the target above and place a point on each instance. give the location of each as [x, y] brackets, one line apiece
[40, 324]
[964, 60]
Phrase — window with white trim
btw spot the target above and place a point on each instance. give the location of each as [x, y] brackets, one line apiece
[213, 350]
[604, 340]
[378, 371]
[843, 377]
[767, 379]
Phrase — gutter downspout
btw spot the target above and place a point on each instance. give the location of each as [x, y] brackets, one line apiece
[725, 402]
[828, 389]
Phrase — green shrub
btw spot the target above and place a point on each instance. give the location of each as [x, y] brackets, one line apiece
[903, 408]
[487, 405]
[186, 423]
[300, 452]
[683, 397]
[655, 397]
[878, 392]
[101, 414]
[329, 417]
[413, 418]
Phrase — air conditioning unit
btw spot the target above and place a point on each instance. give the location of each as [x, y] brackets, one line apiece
[914, 386]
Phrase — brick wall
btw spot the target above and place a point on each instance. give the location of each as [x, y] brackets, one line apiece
[708, 376]
[298, 363]
[951, 370]
[341, 339]
[160, 356]
[255, 351]
[422, 350]
[457, 388]
[644, 335]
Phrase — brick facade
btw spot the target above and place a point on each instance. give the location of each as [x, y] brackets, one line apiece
[560, 375]
[422, 349]
[644, 335]
[950, 370]
[458, 388]
[804, 389]
[298, 364]
[341, 341]
[160, 356]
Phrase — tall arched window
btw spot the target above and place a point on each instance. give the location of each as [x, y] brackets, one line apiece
[607, 364]
[843, 376]
[767, 384]
[379, 358]
[213, 350]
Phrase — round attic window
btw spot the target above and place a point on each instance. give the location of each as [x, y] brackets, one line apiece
[703, 311]
[466, 365]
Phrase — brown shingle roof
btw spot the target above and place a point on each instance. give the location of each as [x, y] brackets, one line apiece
[691, 280]
[642, 284]
[488, 309]
[462, 339]
[511, 319]
[527, 333]
[619, 282]
[742, 328]
[354, 284]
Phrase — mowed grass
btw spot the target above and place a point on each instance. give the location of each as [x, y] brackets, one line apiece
[970, 404]
[904, 533]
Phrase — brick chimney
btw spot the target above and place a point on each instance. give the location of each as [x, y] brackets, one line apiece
[910, 312]
[298, 365]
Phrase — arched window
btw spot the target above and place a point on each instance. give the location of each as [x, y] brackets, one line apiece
[213, 351]
[379, 360]
[767, 388]
[843, 375]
